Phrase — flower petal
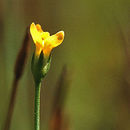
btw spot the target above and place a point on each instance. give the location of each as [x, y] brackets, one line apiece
[39, 28]
[45, 35]
[36, 35]
[55, 40]
[52, 42]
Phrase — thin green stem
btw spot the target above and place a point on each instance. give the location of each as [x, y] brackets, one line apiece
[37, 106]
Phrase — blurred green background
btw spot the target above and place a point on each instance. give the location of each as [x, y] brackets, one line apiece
[96, 50]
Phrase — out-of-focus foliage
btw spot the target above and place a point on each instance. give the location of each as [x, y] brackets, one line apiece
[96, 50]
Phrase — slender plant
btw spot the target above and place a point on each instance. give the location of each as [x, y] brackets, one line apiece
[41, 61]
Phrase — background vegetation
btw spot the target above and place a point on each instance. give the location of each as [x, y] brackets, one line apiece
[96, 51]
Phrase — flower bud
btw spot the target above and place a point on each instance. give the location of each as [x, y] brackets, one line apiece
[40, 67]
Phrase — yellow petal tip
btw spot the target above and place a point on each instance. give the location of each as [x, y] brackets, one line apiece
[33, 24]
[60, 35]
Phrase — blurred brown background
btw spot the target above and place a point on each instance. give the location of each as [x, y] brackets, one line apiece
[96, 50]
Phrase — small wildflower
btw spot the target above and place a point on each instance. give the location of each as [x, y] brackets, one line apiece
[41, 61]
[43, 41]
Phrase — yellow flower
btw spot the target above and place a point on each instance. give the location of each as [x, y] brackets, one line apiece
[43, 41]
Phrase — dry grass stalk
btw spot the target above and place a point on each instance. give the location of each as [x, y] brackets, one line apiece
[58, 119]
[18, 71]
